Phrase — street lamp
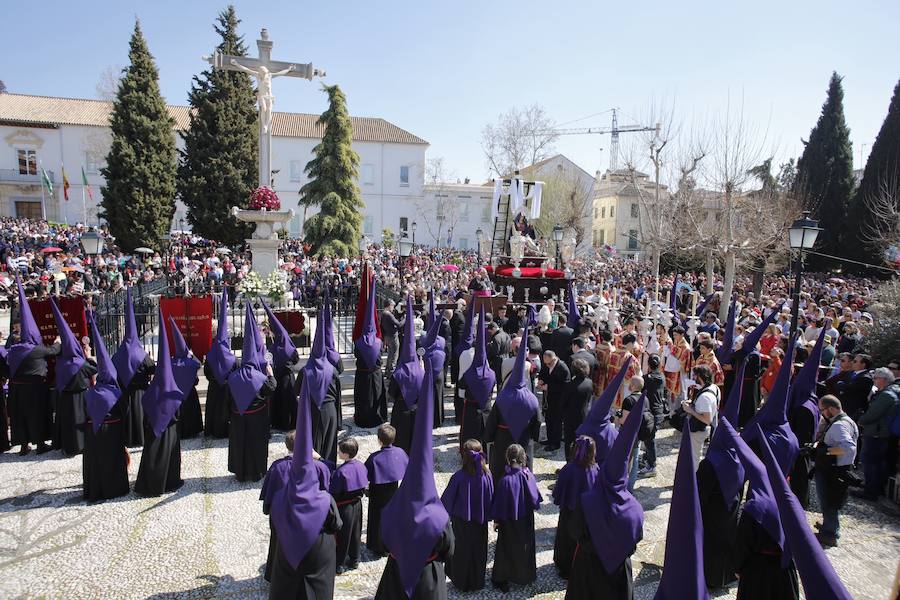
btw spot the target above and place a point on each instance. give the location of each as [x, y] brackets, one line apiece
[181, 226]
[557, 237]
[801, 237]
[363, 245]
[414, 233]
[92, 242]
[478, 234]
[405, 249]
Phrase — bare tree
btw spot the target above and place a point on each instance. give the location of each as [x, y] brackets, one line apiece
[882, 229]
[108, 84]
[2, 87]
[444, 213]
[567, 199]
[519, 137]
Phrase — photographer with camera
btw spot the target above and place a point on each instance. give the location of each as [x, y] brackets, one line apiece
[702, 409]
[835, 452]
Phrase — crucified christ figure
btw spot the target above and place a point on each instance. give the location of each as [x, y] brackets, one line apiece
[263, 90]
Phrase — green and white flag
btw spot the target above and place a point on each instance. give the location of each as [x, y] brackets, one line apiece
[45, 180]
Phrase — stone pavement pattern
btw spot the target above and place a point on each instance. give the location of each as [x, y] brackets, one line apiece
[209, 539]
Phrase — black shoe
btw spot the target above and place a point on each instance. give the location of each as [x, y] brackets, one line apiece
[43, 448]
[26, 449]
[352, 566]
[340, 570]
[503, 587]
[826, 540]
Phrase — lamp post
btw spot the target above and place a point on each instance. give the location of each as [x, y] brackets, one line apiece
[801, 237]
[92, 242]
[478, 234]
[363, 245]
[557, 237]
[449, 236]
[405, 249]
[414, 233]
[181, 226]
[167, 241]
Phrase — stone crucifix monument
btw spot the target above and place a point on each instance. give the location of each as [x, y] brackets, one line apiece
[264, 243]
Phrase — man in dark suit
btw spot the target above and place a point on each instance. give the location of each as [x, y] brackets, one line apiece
[553, 377]
[830, 385]
[445, 333]
[561, 342]
[854, 393]
[501, 318]
[579, 350]
[390, 330]
[457, 333]
[497, 348]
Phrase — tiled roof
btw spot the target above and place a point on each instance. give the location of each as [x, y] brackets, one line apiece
[47, 110]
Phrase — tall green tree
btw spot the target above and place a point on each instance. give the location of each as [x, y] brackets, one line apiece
[335, 229]
[139, 195]
[218, 166]
[876, 204]
[824, 177]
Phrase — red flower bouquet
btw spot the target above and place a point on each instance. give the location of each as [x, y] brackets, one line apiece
[264, 198]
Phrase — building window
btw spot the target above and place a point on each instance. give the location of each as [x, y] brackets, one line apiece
[404, 175]
[368, 224]
[486, 210]
[632, 239]
[367, 175]
[463, 243]
[27, 162]
[404, 221]
[93, 161]
[634, 210]
[602, 212]
[601, 237]
[296, 170]
[463, 209]
[612, 212]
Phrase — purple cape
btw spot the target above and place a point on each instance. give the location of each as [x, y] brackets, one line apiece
[349, 477]
[803, 391]
[409, 373]
[597, 424]
[102, 396]
[772, 417]
[318, 370]
[818, 576]
[480, 377]
[282, 348]
[246, 381]
[299, 509]
[683, 577]
[721, 453]
[220, 357]
[517, 494]
[328, 328]
[130, 353]
[614, 517]
[760, 503]
[184, 365]
[414, 518]
[30, 336]
[276, 478]
[71, 354]
[516, 403]
[386, 465]
[468, 337]
[468, 497]
[574, 318]
[368, 346]
[723, 353]
[162, 398]
[572, 481]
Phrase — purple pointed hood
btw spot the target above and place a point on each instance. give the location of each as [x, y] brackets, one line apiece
[409, 373]
[760, 502]
[597, 423]
[721, 454]
[184, 365]
[130, 353]
[751, 339]
[220, 357]
[480, 377]
[468, 496]
[318, 370]
[102, 396]
[334, 356]
[300, 507]
[705, 303]
[574, 317]
[414, 518]
[803, 390]
[516, 401]
[468, 337]
[163, 397]
[430, 312]
[368, 346]
[772, 417]
[71, 354]
[30, 336]
[246, 381]
[723, 353]
[819, 579]
[282, 349]
[614, 517]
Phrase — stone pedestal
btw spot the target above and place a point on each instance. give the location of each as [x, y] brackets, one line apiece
[264, 243]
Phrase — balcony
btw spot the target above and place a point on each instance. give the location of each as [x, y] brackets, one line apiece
[13, 176]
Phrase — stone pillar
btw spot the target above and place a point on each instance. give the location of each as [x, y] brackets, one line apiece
[264, 243]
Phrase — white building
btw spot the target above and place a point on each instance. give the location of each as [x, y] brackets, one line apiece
[453, 214]
[40, 132]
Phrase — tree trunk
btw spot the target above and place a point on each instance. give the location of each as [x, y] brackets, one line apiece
[710, 271]
[728, 286]
[759, 276]
[655, 257]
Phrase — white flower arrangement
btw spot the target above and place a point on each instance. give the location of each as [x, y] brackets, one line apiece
[251, 284]
[274, 285]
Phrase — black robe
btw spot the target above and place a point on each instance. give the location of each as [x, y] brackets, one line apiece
[564, 544]
[432, 584]
[105, 460]
[348, 538]
[248, 436]
[218, 406]
[576, 404]
[339, 369]
[131, 400]
[369, 401]
[283, 404]
[71, 412]
[802, 425]
[757, 560]
[324, 419]
[514, 557]
[473, 419]
[160, 469]
[313, 579]
[402, 417]
[379, 496]
[750, 391]
[4, 414]
[497, 432]
[190, 417]
[438, 399]
[29, 398]
[719, 527]
[468, 565]
[588, 578]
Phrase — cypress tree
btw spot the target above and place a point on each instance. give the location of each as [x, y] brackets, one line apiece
[825, 174]
[882, 174]
[139, 195]
[335, 229]
[218, 166]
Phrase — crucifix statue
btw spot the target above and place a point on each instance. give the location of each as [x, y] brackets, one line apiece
[264, 69]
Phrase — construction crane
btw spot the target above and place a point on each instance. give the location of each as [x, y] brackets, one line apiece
[614, 132]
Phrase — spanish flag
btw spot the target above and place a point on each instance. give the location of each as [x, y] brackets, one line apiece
[65, 184]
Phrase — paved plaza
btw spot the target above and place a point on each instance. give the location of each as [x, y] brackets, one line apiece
[209, 539]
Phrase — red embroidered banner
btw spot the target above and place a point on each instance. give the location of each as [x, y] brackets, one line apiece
[72, 310]
[193, 316]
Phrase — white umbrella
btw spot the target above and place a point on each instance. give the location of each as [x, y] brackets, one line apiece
[223, 251]
[143, 250]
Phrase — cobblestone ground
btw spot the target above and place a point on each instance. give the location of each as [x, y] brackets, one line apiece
[209, 539]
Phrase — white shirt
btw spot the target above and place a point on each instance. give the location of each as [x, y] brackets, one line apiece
[708, 402]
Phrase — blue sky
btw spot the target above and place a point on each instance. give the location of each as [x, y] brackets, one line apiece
[442, 70]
